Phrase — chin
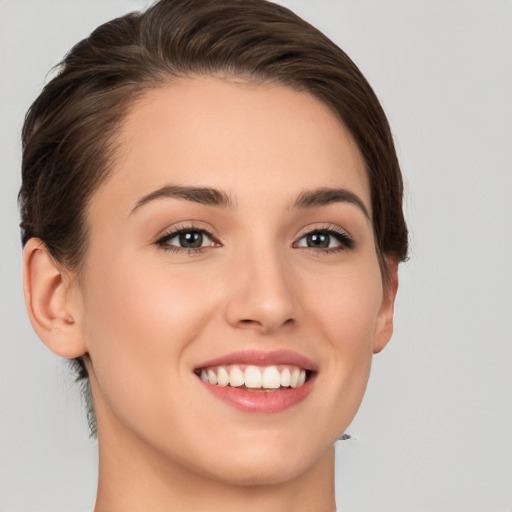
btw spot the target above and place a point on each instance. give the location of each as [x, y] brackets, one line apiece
[266, 461]
[272, 471]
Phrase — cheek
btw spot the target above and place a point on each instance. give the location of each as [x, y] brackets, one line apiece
[347, 315]
[140, 320]
[142, 305]
[347, 303]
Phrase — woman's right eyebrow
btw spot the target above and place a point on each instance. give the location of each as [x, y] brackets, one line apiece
[213, 197]
[202, 195]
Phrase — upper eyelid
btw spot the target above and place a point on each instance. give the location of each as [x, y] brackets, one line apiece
[333, 228]
[162, 241]
[169, 232]
[175, 230]
[345, 239]
[175, 233]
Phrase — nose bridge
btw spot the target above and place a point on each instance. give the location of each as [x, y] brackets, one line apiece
[262, 294]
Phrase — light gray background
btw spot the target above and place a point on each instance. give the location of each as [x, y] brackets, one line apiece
[435, 429]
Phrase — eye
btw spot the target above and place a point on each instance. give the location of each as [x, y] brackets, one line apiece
[186, 239]
[326, 239]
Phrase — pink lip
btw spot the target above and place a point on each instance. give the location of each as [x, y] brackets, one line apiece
[266, 402]
[260, 358]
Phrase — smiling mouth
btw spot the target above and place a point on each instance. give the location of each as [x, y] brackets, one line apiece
[255, 378]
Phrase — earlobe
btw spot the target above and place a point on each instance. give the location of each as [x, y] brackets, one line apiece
[52, 306]
[384, 327]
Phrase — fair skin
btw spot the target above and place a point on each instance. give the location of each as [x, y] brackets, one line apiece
[273, 275]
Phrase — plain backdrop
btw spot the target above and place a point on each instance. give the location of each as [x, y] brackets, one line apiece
[434, 432]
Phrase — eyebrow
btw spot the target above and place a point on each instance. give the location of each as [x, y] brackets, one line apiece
[202, 195]
[325, 196]
[212, 197]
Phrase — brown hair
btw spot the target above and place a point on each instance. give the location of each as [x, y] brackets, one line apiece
[69, 141]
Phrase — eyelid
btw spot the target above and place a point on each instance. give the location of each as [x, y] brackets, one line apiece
[164, 236]
[345, 238]
[191, 225]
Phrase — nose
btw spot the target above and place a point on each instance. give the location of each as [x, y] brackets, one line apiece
[262, 294]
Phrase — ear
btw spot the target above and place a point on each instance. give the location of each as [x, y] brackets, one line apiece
[52, 301]
[384, 325]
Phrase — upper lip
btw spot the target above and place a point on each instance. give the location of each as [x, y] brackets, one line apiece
[262, 358]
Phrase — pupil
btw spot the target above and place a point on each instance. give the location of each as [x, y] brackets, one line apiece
[318, 240]
[191, 239]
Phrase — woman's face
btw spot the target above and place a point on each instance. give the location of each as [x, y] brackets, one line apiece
[232, 242]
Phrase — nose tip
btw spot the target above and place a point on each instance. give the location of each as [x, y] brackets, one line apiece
[266, 320]
[262, 298]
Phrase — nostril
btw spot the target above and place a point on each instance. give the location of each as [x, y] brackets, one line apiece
[249, 323]
[266, 325]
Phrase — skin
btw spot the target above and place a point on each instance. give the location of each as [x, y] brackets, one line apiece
[146, 317]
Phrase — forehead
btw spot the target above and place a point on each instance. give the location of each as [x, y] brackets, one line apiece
[241, 137]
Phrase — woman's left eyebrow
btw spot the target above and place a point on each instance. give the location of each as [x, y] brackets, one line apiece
[213, 197]
[325, 196]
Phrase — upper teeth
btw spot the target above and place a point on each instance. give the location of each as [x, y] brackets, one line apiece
[268, 377]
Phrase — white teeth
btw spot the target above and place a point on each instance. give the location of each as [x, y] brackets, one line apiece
[222, 377]
[236, 377]
[252, 377]
[294, 378]
[212, 377]
[285, 378]
[271, 378]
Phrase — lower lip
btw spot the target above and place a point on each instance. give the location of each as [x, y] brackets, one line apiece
[266, 402]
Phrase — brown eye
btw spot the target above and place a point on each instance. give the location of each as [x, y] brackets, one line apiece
[318, 240]
[190, 239]
[326, 239]
[186, 239]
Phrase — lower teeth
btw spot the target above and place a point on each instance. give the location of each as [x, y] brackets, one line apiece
[202, 375]
[261, 390]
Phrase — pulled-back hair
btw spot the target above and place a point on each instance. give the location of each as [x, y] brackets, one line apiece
[69, 135]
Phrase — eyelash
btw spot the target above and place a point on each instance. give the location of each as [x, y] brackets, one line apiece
[174, 232]
[346, 241]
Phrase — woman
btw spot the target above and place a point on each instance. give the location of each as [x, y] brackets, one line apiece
[212, 224]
